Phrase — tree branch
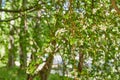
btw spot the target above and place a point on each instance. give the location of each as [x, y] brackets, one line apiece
[14, 18]
[7, 20]
[115, 6]
[20, 10]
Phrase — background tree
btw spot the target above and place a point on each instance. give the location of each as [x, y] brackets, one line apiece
[85, 33]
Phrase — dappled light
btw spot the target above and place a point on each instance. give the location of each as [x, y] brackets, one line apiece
[59, 39]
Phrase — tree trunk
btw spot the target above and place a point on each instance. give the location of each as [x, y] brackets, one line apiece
[29, 77]
[22, 35]
[80, 64]
[11, 53]
[0, 8]
[0, 3]
[45, 71]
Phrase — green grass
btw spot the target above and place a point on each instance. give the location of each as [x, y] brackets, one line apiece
[11, 74]
[57, 77]
[16, 74]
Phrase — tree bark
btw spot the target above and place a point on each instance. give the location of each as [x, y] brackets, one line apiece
[45, 71]
[11, 53]
[0, 8]
[23, 41]
[29, 77]
[0, 4]
[115, 6]
[80, 64]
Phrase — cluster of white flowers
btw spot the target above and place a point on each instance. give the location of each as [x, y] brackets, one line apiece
[60, 31]
[48, 49]
[88, 62]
